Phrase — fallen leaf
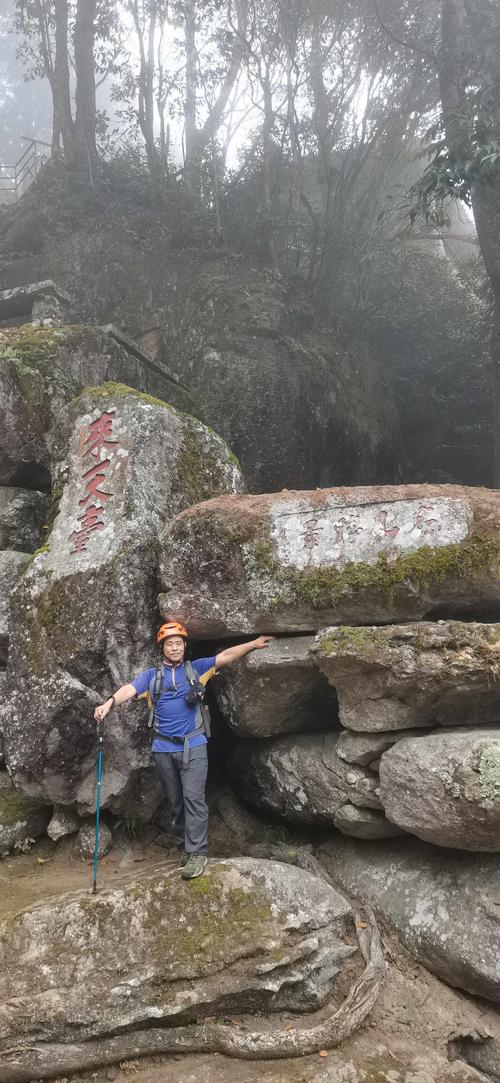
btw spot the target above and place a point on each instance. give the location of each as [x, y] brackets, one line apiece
[361, 925]
[323, 1052]
[289, 1026]
[41, 860]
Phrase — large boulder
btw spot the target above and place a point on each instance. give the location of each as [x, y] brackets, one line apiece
[296, 406]
[250, 935]
[445, 787]
[411, 675]
[301, 777]
[23, 516]
[12, 565]
[443, 906]
[277, 690]
[41, 369]
[22, 819]
[83, 615]
[297, 561]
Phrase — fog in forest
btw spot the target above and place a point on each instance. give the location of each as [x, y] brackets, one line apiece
[346, 146]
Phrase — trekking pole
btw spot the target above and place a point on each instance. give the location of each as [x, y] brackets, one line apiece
[97, 806]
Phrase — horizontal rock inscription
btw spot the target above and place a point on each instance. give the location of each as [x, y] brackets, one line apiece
[338, 533]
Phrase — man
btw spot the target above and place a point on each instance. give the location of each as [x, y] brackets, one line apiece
[180, 744]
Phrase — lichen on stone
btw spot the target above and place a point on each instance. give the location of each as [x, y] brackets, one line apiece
[201, 471]
[489, 774]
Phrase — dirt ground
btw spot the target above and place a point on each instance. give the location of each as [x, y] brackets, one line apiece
[404, 1041]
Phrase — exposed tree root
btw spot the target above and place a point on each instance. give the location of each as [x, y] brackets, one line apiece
[46, 1061]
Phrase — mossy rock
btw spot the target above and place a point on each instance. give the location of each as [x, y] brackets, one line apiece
[249, 935]
[265, 586]
[22, 818]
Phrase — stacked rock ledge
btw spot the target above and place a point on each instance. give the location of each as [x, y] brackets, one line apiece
[297, 561]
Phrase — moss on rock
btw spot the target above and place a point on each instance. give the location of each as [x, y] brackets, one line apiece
[16, 807]
[37, 347]
[325, 586]
[112, 390]
[31, 353]
[346, 638]
[201, 469]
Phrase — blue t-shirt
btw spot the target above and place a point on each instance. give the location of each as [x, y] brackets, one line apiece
[173, 716]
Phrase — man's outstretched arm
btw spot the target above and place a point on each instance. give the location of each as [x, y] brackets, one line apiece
[231, 654]
[126, 692]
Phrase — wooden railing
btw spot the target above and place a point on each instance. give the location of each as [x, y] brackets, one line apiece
[16, 179]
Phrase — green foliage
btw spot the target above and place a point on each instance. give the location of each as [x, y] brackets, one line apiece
[450, 176]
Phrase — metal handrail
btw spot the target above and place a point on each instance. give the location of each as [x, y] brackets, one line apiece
[16, 179]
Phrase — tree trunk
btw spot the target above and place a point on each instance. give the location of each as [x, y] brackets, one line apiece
[85, 120]
[146, 85]
[485, 196]
[63, 119]
[192, 161]
[268, 247]
[486, 207]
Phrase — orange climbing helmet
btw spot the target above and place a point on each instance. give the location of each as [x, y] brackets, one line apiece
[173, 628]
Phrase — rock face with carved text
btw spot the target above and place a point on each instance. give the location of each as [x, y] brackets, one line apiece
[297, 561]
[411, 675]
[260, 936]
[276, 690]
[83, 614]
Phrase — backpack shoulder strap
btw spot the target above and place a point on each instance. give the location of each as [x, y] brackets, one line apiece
[202, 712]
[191, 673]
[154, 692]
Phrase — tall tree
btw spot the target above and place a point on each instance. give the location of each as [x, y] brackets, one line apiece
[469, 80]
[59, 42]
[464, 49]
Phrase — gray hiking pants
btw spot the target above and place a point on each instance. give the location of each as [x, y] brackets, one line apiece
[184, 788]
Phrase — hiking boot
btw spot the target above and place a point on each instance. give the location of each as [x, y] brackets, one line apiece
[194, 866]
[183, 858]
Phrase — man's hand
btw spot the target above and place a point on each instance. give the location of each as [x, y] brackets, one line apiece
[104, 709]
[231, 654]
[126, 692]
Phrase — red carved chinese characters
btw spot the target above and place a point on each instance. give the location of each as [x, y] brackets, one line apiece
[387, 531]
[311, 533]
[95, 497]
[424, 520]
